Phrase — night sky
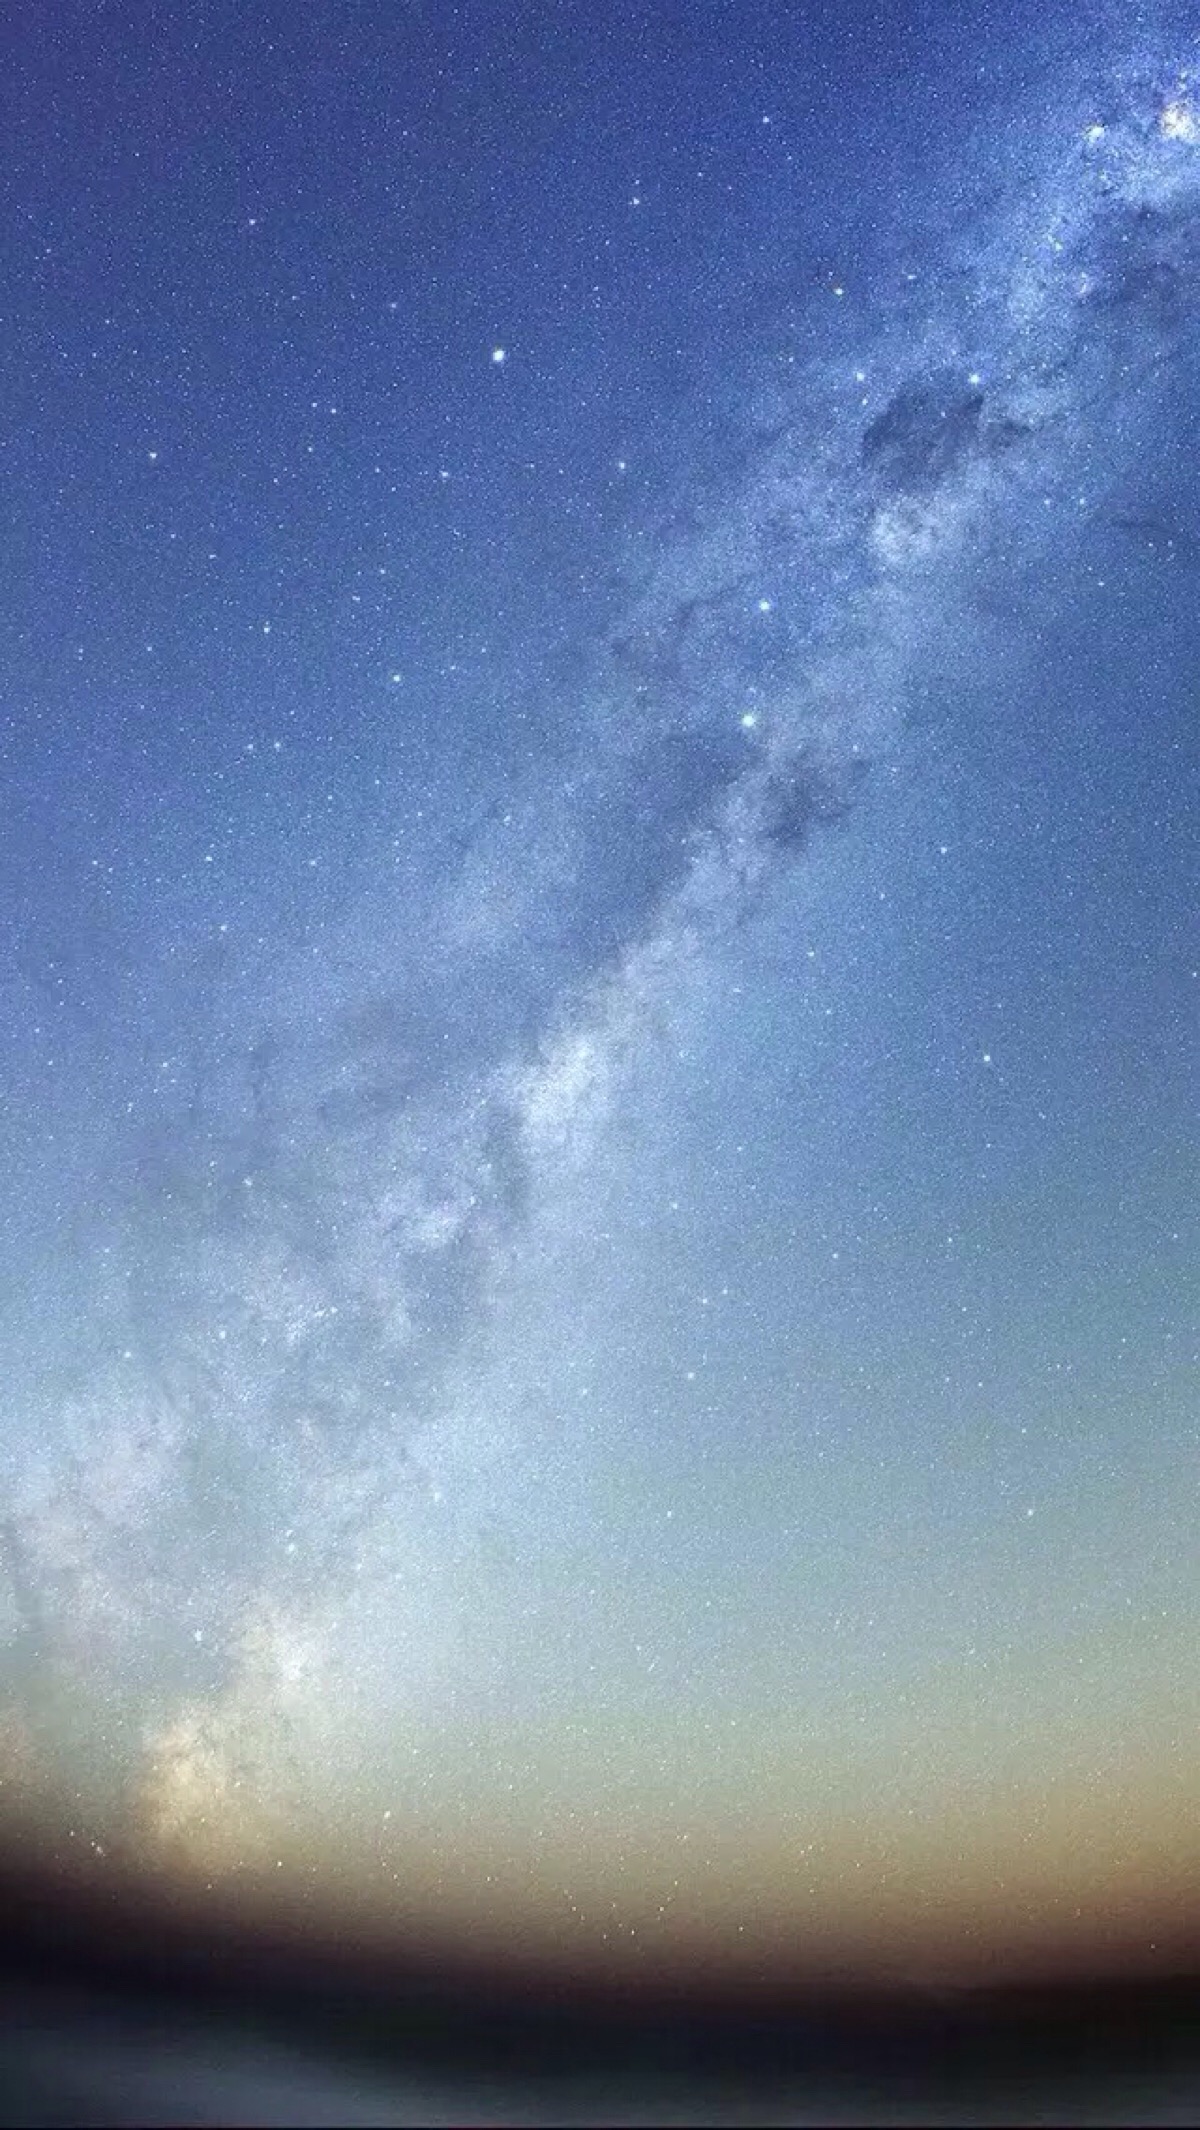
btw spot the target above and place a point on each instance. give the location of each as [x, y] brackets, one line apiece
[600, 631]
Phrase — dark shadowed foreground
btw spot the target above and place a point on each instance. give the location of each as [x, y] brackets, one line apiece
[115, 2013]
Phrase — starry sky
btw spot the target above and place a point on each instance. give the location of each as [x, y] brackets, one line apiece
[598, 970]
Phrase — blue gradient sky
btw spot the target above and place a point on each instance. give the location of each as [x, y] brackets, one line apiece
[599, 970]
